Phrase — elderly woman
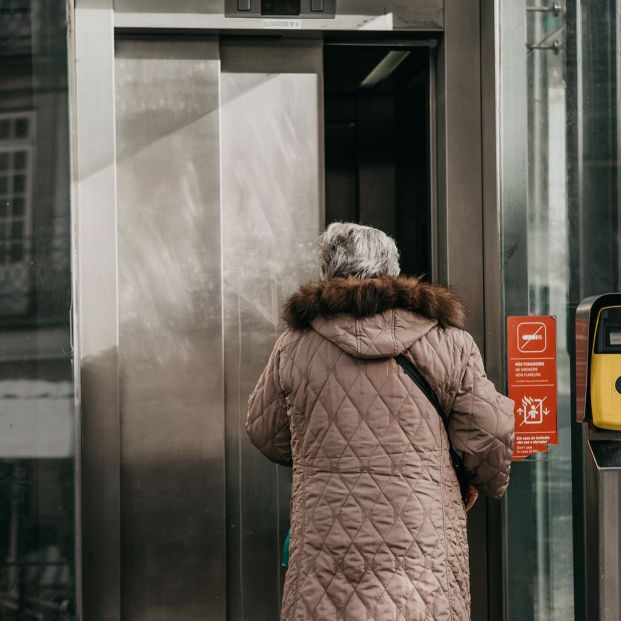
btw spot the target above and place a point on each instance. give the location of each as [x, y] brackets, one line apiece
[378, 523]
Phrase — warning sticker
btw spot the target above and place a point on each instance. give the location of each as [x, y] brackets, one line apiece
[531, 347]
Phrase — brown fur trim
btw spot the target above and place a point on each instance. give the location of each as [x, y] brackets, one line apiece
[363, 297]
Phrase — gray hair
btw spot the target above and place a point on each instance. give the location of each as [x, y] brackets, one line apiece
[347, 249]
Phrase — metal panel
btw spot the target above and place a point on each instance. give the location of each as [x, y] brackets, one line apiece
[460, 221]
[492, 269]
[513, 166]
[421, 15]
[272, 199]
[308, 9]
[492, 251]
[603, 501]
[170, 329]
[96, 302]
[459, 153]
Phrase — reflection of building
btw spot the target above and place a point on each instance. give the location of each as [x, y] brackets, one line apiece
[16, 180]
[36, 390]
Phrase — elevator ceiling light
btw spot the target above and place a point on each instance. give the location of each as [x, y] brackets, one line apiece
[384, 69]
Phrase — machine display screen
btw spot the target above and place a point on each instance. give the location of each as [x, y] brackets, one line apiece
[608, 338]
[608, 335]
[280, 7]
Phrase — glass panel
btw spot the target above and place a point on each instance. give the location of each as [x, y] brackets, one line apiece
[540, 563]
[22, 128]
[560, 92]
[19, 160]
[280, 7]
[594, 90]
[5, 125]
[19, 183]
[17, 230]
[17, 253]
[17, 206]
[37, 445]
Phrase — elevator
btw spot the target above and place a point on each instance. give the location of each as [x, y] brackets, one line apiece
[228, 142]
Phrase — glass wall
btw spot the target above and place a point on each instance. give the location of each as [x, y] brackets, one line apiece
[559, 149]
[37, 526]
[536, 260]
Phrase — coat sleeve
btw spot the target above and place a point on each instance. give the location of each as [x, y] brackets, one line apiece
[481, 425]
[268, 423]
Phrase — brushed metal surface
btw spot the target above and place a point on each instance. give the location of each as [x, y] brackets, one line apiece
[415, 15]
[492, 256]
[272, 211]
[461, 229]
[603, 521]
[493, 291]
[459, 174]
[170, 329]
[96, 342]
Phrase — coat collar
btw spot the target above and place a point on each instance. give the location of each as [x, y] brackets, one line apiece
[366, 297]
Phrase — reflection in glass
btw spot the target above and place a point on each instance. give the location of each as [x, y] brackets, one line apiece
[540, 562]
[37, 526]
[561, 244]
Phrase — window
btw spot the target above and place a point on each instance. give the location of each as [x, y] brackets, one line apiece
[15, 187]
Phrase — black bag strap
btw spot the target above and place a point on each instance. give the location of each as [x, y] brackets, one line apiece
[417, 377]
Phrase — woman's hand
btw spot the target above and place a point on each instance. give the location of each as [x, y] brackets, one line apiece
[473, 494]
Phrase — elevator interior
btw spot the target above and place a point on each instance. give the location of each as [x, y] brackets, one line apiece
[377, 124]
[223, 149]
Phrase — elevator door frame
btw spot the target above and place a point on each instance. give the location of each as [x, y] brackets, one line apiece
[465, 246]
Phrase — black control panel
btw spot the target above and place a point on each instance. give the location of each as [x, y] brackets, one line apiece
[304, 9]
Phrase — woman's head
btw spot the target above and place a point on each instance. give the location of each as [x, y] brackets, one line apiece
[347, 249]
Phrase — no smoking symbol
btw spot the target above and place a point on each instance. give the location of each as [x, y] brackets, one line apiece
[531, 337]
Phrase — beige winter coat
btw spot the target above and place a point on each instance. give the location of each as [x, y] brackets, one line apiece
[378, 527]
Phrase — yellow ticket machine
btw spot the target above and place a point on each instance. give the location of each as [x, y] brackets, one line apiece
[598, 361]
[605, 371]
[597, 390]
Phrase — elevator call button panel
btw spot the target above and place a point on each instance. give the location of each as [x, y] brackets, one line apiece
[325, 9]
[605, 380]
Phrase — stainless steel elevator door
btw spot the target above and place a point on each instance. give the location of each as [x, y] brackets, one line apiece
[219, 170]
[272, 211]
[170, 344]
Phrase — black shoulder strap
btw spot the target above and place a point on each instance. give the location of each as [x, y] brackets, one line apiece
[416, 376]
[463, 476]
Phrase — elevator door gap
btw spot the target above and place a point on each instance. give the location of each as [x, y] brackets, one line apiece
[377, 146]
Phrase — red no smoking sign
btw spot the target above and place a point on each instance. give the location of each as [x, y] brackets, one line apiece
[531, 347]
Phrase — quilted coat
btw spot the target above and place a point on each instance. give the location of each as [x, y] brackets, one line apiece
[378, 527]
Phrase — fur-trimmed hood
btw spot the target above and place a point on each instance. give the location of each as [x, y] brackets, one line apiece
[373, 317]
[364, 297]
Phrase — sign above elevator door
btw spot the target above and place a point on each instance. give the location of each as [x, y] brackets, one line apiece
[305, 9]
[531, 349]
